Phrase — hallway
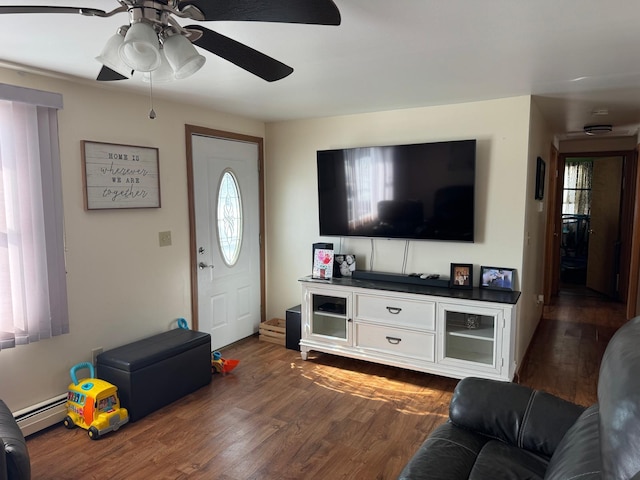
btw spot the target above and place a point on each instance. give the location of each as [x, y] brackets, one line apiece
[564, 355]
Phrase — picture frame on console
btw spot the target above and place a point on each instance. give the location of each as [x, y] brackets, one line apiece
[461, 276]
[322, 263]
[497, 278]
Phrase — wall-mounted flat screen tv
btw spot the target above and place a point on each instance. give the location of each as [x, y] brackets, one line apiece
[422, 191]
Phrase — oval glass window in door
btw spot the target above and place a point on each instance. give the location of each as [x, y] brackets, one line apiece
[229, 218]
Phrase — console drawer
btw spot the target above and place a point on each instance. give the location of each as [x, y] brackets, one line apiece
[417, 345]
[396, 311]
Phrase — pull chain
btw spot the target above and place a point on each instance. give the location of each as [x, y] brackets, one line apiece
[152, 112]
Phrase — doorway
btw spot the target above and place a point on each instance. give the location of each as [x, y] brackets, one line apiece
[591, 234]
[625, 263]
[225, 185]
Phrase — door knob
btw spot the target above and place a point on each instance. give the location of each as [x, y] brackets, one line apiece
[203, 265]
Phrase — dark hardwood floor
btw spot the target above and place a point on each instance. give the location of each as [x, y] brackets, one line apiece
[564, 355]
[278, 417]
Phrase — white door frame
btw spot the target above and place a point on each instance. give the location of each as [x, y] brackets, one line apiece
[193, 254]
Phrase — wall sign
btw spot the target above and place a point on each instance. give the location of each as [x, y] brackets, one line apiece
[119, 176]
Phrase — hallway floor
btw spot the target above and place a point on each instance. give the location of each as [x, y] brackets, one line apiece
[565, 353]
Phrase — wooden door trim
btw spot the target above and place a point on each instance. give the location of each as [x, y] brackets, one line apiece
[630, 201]
[552, 238]
[634, 253]
[193, 254]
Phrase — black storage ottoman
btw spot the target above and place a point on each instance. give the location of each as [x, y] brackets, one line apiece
[158, 370]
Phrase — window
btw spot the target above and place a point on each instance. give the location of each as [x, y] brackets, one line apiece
[229, 218]
[578, 175]
[33, 292]
[576, 213]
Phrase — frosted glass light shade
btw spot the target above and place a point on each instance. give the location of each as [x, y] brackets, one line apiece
[111, 58]
[140, 49]
[162, 74]
[182, 56]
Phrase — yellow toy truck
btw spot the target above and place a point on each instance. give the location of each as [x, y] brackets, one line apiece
[93, 404]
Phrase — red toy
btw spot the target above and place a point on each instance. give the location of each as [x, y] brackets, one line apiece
[221, 365]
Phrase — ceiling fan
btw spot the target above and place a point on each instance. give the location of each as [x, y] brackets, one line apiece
[153, 40]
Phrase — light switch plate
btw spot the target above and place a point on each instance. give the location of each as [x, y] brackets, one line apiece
[164, 238]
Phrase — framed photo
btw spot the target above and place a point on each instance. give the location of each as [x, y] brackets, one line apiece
[497, 278]
[119, 176]
[461, 275]
[344, 265]
[322, 264]
[540, 170]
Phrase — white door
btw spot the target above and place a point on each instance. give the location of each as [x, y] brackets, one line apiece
[606, 191]
[227, 228]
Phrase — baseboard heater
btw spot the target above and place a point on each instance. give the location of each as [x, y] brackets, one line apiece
[42, 415]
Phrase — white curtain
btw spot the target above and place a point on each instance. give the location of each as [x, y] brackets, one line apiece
[578, 176]
[33, 292]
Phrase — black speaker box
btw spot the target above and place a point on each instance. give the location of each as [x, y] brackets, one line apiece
[294, 330]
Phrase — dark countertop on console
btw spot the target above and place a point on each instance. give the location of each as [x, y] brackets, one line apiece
[480, 294]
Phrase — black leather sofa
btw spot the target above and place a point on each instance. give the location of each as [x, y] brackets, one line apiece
[14, 456]
[500, 430]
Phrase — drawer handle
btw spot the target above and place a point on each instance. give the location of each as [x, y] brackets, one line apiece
[394, 310]
[394, 340]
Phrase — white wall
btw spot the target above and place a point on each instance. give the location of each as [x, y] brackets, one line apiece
[503, 164]
[121, 285]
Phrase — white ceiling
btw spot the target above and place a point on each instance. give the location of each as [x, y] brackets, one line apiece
[575, 56]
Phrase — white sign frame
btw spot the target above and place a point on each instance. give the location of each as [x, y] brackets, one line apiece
[118, 176]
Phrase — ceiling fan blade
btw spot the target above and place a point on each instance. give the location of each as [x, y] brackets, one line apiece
[45, 9]
[108, 75]
[241, 55]
[319, 12]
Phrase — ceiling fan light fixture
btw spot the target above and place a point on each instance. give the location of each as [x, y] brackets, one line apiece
[111, 58]
[182, 56]
[162, 74]
[141, 49]
[598, 129]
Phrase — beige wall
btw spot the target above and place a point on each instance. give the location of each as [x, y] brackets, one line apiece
[502, 176]
[532, 275]
[597, 144]
[122, 285]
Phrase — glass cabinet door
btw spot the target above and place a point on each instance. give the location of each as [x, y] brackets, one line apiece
[330, 318]
[471, 335]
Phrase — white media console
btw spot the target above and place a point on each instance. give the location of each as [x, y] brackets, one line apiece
[449, 332]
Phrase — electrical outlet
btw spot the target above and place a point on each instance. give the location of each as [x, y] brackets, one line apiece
[94, 355]
[164, 238]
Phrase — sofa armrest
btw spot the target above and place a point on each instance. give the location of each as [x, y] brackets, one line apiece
[3, 463]
[619, 399]
[14, 447]
[448, 453]
[518, 415]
